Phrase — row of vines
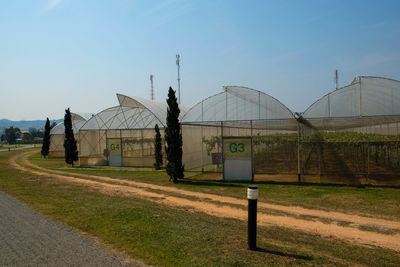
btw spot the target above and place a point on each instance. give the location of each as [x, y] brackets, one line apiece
[347, 156]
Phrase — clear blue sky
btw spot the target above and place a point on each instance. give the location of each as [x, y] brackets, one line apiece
[56, 54]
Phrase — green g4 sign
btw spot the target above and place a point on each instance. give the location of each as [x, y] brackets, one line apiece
[237, 148]
[114, 146]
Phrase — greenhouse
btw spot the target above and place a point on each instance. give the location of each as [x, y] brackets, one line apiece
[241, 132]
[123, 135]
[351, 135]
[56, 149]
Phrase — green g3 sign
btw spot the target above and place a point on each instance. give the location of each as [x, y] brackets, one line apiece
[237, 148]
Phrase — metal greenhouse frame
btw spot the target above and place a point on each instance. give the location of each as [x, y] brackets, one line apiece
[241, 112]
[123, 135]
[349, 136]
[352, 136]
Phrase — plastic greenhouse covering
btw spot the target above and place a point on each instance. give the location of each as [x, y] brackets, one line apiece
[351, 135]
[239, 104]
[240, 112]
[57, 134]
[128, 127]
[366, 101]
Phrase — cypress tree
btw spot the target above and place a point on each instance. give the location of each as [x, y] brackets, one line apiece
[173, 139]
[70, 148]
[157, 149]
[46, 139]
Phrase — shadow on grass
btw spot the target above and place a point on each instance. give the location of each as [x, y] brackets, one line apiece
[294, 256]
[209, 183]
[223, 183]
[327, 184]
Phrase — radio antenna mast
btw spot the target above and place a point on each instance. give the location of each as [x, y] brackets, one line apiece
[336, 79]
[152, 88]
[179, 78]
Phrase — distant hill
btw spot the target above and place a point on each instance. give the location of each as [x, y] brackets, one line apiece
[4, 123]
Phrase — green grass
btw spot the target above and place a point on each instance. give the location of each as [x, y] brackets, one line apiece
[176, 237]
[368, 201]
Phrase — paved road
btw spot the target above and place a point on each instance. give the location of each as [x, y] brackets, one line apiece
[27, 239]
[18, 148]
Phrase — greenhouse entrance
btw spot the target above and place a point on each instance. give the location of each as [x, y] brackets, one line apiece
[256, 134]
[114, 152]
[237, 159]
[123, 135]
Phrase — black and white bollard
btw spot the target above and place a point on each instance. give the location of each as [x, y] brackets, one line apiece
[252, 196]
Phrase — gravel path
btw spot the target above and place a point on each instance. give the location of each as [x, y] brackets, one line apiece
[27, 239]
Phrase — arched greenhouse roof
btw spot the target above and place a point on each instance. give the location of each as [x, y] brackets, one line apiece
[81, 116]
[365, 96]
[132, 113]
[367, 100]
[238, 103]
[78, 120]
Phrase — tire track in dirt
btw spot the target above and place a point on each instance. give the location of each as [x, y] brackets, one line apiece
[295, 210]
[136, 189]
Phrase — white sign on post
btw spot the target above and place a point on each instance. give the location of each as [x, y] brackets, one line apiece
[237, 159]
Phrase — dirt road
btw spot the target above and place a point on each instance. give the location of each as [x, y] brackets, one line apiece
[346, 227]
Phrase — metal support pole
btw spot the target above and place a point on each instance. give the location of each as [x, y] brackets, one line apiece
[298, 153]
[226, 105]
[179, 78]
[202, 144]
[223, 156]
[252, 151]
[141, 146]
[252, 196]
[360, 107]
[368, 155]
[79, 151]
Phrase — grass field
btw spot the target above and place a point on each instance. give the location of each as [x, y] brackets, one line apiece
[366, 201]
[163, 235]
